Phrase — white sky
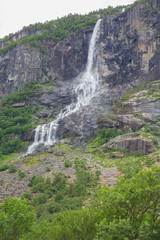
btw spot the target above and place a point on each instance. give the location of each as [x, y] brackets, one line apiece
[15, 14]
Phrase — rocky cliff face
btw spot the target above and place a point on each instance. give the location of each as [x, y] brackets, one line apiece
[131, 43]
[23, 63]
[129, 51]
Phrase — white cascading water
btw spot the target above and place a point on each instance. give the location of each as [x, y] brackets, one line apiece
[85, 90]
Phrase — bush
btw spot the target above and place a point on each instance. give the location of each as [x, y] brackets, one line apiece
[12, 169]
[54, 207]
[39, 185]
[48, 169]
[35, 180]
[40, 199]
[3, 168]
[67, 163]
[26, 195]
[77, 225]
[21, 175]
[59, 181]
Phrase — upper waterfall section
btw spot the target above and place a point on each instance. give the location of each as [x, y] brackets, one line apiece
[85, 90]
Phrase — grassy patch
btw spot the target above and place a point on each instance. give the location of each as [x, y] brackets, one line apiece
[105, 134]
[32, 160]
[9, 157]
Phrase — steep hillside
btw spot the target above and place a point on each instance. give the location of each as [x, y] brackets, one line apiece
[84, 96]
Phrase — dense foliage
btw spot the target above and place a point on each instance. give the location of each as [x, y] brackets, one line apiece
[16, 217]
[14, 121]
[131, 209]
[128, 211]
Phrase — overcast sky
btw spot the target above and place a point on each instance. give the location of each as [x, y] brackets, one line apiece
[15, 14]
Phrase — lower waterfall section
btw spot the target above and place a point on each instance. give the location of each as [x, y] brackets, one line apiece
[85, 91]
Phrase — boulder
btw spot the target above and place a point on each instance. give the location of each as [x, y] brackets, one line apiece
[48, 149]
[132, 143]
[129, 120]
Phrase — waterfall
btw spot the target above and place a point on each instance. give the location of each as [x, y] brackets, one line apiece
[84, 91]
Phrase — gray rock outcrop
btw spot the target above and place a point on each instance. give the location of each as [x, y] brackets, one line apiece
[132, 143]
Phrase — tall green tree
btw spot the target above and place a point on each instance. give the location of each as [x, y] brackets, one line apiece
[16, 218]
[131, 208]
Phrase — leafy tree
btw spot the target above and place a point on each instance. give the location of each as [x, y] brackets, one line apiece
[76, 225]
[133, 203]
[116, 230]
[16, 218]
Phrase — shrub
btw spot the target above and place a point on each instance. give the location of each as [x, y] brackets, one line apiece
[3, 168]
[67, 163]
[26, 195]
[12, 169]
[48, 169]
[35, 180]
[40, 199]
[59, 181]
[54, 207]
[21, 175]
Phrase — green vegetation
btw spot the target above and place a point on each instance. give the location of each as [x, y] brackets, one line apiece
[105, 134]
[8, 157]
[16, 217]
[141, 1]
[12, 169]
[16, 121]
[130, 210]
[59, 195]
[128, 164]
[67, 163]
[136, 2]
[4, 168]
[21, 175]
[13, 122]
[60, 28]
[18, 96]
